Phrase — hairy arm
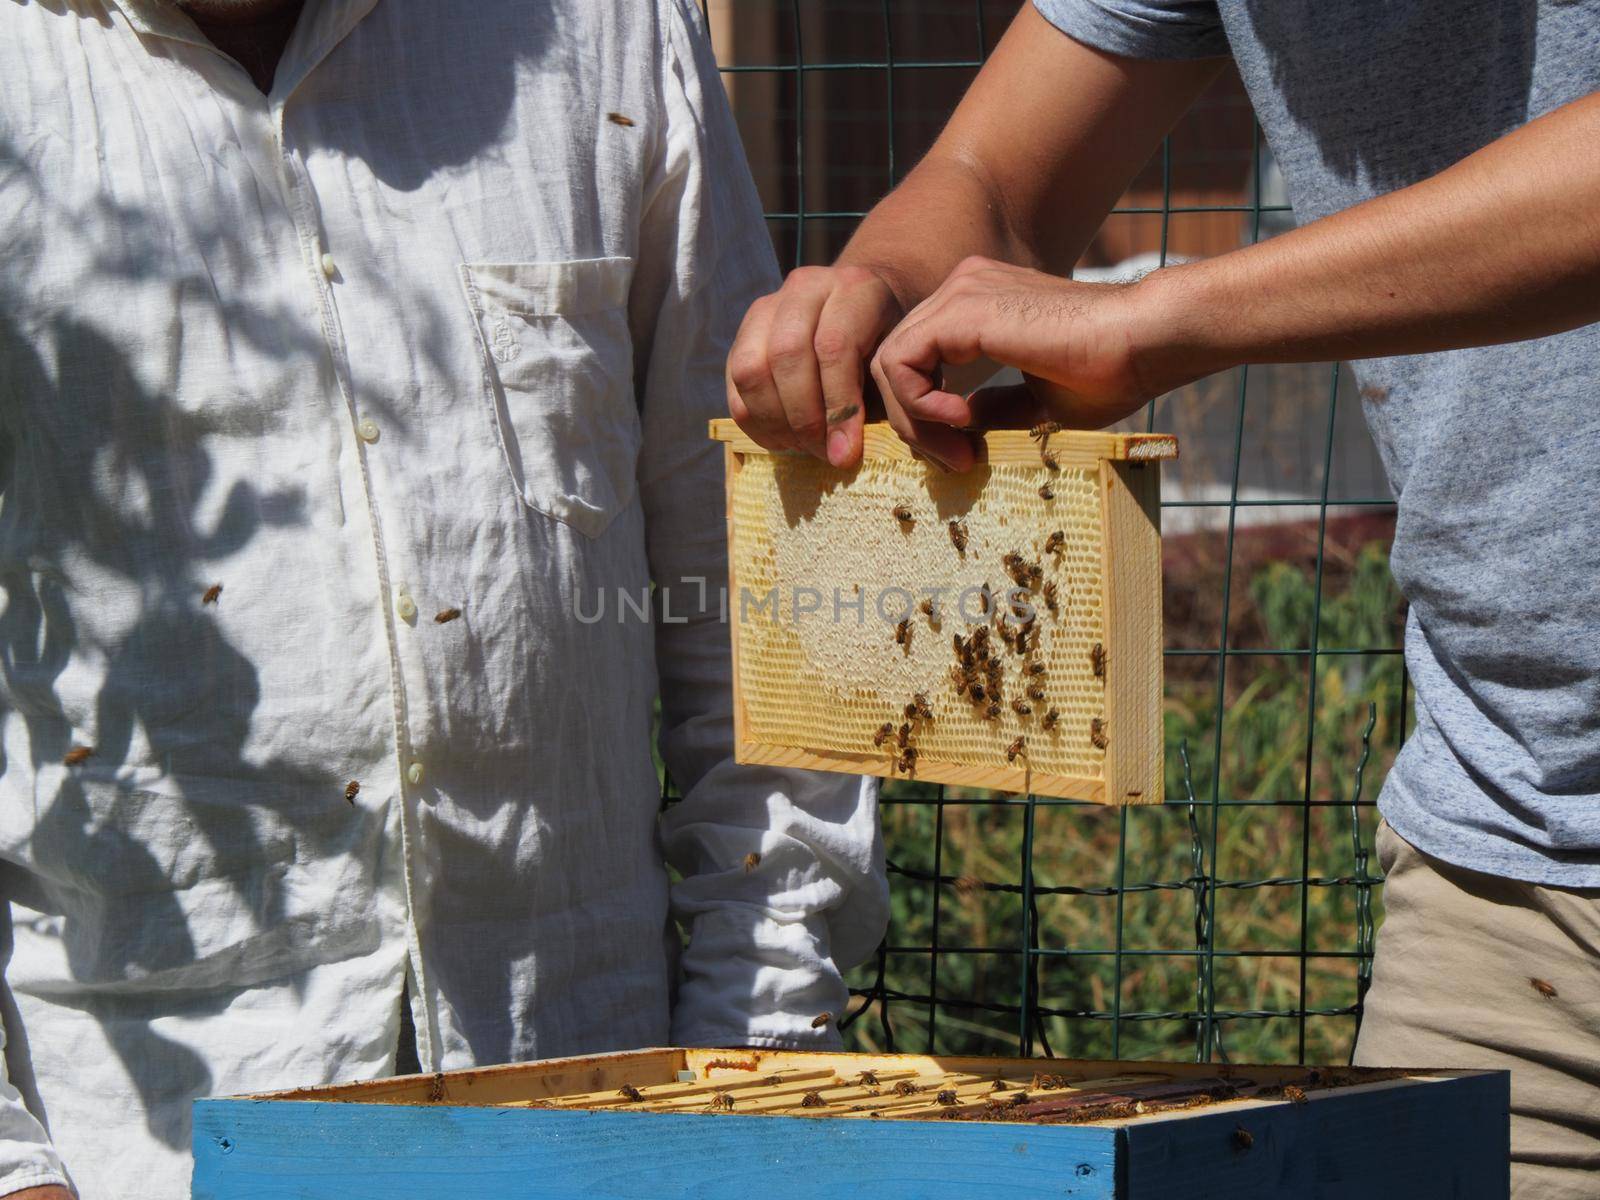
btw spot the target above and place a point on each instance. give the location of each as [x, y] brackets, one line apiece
[1505, 245]
[1045, 140]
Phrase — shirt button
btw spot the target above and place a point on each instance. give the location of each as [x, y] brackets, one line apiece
[367, 429]
[414, 774]
[329, 267]
[405, 605]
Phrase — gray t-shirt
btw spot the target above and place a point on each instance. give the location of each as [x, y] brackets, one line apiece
[1493, 453]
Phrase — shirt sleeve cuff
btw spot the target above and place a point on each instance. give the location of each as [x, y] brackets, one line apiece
[1139, 28]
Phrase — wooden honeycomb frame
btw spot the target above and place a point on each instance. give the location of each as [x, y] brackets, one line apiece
[813, 693]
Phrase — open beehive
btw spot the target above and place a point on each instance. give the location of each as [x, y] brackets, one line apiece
[996, 628]
[779, 1124]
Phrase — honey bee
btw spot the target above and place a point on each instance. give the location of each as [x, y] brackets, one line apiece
[993, 711]
[1035, 574]
[351, 789]
[947, 1097]
[866, 1079]
[978, 693]
[999, 1085]
[1044, 429]
[919, 703]
[902, 513]
[813, 1100]
[1033, 668]
[821, 1019]
[1054, 542]
[958, 536]
[885, 732]
[1035, 692]
[1048, 1083]
[1008, 636]
[1293, 1094]
[1046, 492]
[76, 755]
[1544, 988]
[1049, 459]
[1023, 644]
[902, 634]
[906, 1088]
[752, 861]
[619, 119]
[903, 736]
[980, 635]
[628, 1092]
[1021, 707]
[908, 761]
[1018, 1099]
[1050, 594]
[436, 1088]
[1097, 660]
[961, 677]
[1050, 720]
[1097, 733]
[721, 1102]
[445, 615]
[1018, 747]
[959, 646]
[1243, 1139]
[926, 609]
[212, 593]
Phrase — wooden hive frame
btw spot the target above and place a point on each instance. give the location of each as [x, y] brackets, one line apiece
[1119, 755]
[650, 1122]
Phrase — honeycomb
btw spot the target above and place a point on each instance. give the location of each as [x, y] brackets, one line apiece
[825, 570]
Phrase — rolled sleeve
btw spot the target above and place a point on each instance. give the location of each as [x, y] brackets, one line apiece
[1149, 29]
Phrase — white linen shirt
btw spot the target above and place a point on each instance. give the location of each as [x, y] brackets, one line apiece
[426, 328]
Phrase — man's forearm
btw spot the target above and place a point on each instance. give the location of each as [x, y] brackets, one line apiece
[1503, 246]
[944, 211]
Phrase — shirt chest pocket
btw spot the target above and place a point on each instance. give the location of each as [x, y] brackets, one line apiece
[558, 379]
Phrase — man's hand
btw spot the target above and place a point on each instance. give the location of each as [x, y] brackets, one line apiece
[41, 1193]
[1078, 344]
[796, 372]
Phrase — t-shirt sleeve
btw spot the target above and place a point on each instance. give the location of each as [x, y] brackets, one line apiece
[1160, 29]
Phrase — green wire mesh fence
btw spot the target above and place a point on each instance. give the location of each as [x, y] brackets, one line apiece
[1235, 920]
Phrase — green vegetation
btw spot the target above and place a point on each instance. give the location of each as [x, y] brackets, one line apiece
[976, 843]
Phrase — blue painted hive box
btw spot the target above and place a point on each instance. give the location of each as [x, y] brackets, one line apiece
[771, 1125]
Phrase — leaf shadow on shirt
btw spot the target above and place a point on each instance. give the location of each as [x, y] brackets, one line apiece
[1395, 93]
[146, 859]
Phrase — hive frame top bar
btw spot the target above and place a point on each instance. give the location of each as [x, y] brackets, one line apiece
[1072, 447]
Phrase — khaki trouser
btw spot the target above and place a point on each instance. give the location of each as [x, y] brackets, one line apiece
[1453, 986]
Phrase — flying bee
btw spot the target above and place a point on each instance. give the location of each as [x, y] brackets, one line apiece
[1044, 429]
[446, 615]
[351, 789]
[1046, 492]
[212, 593]
[821, 1019]
[902, 513]
[1544, 988]
[1097, 660]
[903, 736]
[947, 1097]
[1050, 595]
[958, 536]
[1049, 459]
[1017, 747]
[1097, 733]
[721, 1102]
[1021, 707]
[1050, 719]
[752, 861]
[76, 755]
[1033, 668]
[1035, 692]
[628, 1092]
[1054, 542]
[902, 634]
[619, 119]
[993, 711]
[885, 732]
